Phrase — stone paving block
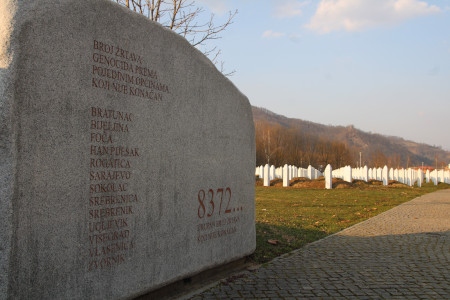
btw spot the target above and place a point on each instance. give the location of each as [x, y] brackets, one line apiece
[386, 257]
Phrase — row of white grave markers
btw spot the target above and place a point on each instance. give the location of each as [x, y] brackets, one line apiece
[287, 172]
[406, 176]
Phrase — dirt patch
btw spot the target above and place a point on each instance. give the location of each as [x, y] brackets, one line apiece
[305, 183]
[394, 183]
[308, 183]
[276, 182]
[341, 184]
[258, 181]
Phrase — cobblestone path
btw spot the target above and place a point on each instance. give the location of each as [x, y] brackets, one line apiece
[403, 253]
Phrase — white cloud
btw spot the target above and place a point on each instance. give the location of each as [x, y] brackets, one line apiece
[289, 8]
[357, 15]
[270, 34]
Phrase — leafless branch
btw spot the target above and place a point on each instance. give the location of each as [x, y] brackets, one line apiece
[182, 16]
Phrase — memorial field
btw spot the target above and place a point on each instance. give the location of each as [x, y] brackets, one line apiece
[289, 218]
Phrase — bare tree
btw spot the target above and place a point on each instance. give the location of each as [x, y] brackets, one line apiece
[185, 18]
[268, 140]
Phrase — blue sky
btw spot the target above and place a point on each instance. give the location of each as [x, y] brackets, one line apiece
[380, 65]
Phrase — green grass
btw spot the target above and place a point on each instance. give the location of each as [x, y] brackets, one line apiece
[294, 217]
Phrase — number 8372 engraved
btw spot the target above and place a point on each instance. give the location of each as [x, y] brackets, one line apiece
[214, 202]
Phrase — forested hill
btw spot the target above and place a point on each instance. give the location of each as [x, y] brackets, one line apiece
[281, 140]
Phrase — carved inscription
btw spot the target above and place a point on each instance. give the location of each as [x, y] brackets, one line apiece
[111, 212]
[119, 70]
[218, 214]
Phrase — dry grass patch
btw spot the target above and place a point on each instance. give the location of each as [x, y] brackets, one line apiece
[287, 218]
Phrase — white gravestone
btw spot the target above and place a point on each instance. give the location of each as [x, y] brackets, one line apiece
[385, 175]
[365, 176]
[328, 177]
[348, 174]
[266, 175]
[419, 177]
[285, 176]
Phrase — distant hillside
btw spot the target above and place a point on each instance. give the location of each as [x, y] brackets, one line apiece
[395, 151]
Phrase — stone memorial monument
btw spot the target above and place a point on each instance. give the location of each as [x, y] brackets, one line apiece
[126, 158]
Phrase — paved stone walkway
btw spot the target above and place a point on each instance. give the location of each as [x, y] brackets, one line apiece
[403, 253]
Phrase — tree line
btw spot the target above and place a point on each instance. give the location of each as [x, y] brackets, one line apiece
[279, 145]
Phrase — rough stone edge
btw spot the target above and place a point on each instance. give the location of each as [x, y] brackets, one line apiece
[8, 10]
[200, 54]
[229, 262]
[14, 14]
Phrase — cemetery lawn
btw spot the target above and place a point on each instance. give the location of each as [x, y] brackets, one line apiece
[288, 218]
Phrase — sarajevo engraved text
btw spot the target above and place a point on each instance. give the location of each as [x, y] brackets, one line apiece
[111, 196]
